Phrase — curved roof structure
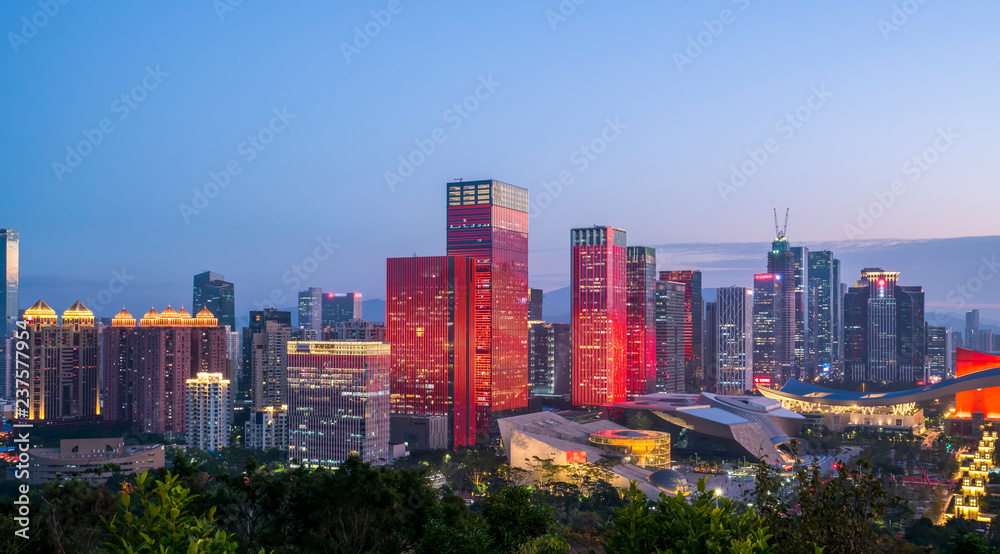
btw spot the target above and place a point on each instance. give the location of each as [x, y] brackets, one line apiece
[805, 392]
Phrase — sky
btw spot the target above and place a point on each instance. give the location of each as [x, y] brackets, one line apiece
[288, 145]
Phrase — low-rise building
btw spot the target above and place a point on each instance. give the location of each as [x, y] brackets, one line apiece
[89, 458]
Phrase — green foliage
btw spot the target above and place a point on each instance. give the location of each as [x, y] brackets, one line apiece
[156, 517]
[513, 518]
[709, 524]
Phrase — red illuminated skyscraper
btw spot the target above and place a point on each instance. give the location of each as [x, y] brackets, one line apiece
[640, 272]
[488, 221]
[598, 286]
[694, 309]
[429, 325]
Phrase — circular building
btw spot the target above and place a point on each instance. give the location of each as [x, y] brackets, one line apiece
[642, 448]
[669, 481]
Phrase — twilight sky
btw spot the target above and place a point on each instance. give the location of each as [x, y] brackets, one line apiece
[821, 107]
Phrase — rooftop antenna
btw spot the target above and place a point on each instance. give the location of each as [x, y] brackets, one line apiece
[780, 232]
[459, 179]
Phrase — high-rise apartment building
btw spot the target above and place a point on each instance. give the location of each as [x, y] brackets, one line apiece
[598, 288]
[640, 317]
[245, 384]
[985, 340]
[311, 309]
[356, 329]
[267, 428]
[735, 340]
[209, 404]
[694, 310]
[488, 222]
[63, 364]
[213, 292]
[824, 283]
[429, 325]
[339, 307]
[146, 366]
[535, 297]
[672, 324]
[939, 352]
[269, 359]
[338, 402]
[550, 357]
[884, 329]
[767, 308]
[10, 273]
[972, 329]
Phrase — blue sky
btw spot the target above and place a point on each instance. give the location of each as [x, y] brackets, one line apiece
[642, 125]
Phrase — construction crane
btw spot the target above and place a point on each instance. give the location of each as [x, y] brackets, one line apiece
[780, 233]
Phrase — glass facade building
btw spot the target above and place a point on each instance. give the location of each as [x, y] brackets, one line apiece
[781, 264]
[694, 307]
[10, 273]
[340, 307]
[311, 309]
[550, 357]
[640, 354]
[598, 289]
[212, 291]
[734, 340]
[766, 310]
[672, 338]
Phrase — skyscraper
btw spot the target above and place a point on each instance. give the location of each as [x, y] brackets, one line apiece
[63, 364]
[429, 326]
[804, 302]
[735, 340]
[212, 291]
[781, 263]
[640, 317]
[488, 221]
[209, 405]
[767, 309]
[269, 360]
[824, 282]
[711, 351]
[338, 402]
[550, 357]
[311, 309]
[884, 329]
[939, 352]
[340, 307]
[598, 289]
[9, 272]
[694, 309]
[972, 329]
[672, 323]
[245, 383]
[535, 305]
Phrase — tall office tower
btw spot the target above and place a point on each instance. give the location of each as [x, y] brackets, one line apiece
[146, 367]
[267, 428]
[535, 297]
[735, 340]
[244, 385]
[550, 357]
[63, 364]
[985, 337]
[672, 323]
[212, 291]
[233, 356]
[338, 402]
[429, 323]
[824, 281]
[938, 352]
[767, 309]
[311, 309]
[9, 272]
[340, 307]
[269, 358]
[488, 221]
[694, 310]
[781, 263]
[209, 405]
[640, 310]
[711, 351]
[599, 290]
[356, 329]
[972, 329]
[884, 329]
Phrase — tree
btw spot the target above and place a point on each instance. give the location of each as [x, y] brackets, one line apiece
[671, 524]
[513, 518]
